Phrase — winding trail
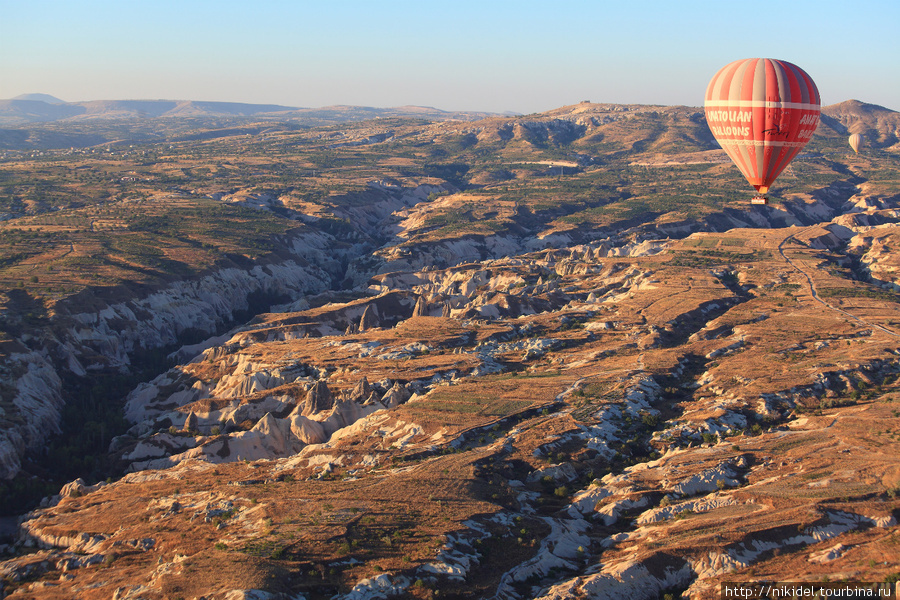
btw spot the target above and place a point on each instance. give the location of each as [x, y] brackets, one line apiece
[815, 295]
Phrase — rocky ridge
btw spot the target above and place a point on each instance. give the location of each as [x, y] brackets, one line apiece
[551, 412]
[105, 339]
[619, 449]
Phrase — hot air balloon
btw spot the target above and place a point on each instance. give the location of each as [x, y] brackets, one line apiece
[762, 112]
[856, 141]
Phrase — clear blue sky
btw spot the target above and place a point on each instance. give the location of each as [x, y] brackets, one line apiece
[523, 56]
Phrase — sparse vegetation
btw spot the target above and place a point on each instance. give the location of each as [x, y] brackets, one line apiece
[591, 384]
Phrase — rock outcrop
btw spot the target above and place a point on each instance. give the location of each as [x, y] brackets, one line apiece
[317, 399]
[107, 337]
[36, 404]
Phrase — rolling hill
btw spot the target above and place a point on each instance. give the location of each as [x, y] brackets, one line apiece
[38, 108]
[546, 356]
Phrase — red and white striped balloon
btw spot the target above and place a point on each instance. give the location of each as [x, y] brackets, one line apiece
[763, 112]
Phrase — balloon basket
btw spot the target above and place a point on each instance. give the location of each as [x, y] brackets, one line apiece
[759, 200]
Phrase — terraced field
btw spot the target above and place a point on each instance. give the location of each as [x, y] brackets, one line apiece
[557, 356]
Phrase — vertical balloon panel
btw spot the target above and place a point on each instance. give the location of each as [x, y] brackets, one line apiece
[762, 112]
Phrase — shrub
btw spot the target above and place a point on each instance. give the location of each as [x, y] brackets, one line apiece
[649, 420]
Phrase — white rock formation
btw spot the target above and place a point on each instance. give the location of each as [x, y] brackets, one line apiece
[37, 402]
[625, 580]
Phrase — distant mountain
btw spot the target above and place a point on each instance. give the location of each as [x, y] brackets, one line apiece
[30, 110]
[34, 108]
[879, 125]
[17, 112]
[129, 109]
[40, 98]
[32, 124]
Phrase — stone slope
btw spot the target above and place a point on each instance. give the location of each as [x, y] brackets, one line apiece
[567, 423]
[106, 337]
[650, 405]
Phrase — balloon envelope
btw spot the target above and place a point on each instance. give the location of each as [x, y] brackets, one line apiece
[762, 112]
[856, 141]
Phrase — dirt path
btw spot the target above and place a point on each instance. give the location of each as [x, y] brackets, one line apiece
[815, 295]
